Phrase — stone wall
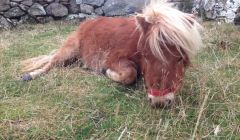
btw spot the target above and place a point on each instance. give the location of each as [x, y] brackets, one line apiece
[14, 12]
[225, 10]
[237, 17]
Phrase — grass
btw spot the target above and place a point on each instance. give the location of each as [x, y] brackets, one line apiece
[70, 103]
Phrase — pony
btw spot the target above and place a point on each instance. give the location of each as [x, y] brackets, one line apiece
[156, 44]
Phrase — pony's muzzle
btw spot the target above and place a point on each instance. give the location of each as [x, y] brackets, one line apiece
[161, 101]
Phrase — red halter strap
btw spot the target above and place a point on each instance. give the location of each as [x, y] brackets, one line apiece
[158, 93]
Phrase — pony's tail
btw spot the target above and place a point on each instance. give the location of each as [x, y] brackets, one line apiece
[35, 63]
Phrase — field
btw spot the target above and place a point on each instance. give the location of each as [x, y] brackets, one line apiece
[72, 103]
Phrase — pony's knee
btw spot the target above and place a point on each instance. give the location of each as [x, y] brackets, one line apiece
[130, 76]
[113, 75]
[125, 76]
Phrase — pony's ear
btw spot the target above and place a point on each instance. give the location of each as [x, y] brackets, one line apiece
[143, 24]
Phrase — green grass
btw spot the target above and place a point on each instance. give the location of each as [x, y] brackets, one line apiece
[70, 103]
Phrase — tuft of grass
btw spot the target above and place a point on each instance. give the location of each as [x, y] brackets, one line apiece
[70, 103]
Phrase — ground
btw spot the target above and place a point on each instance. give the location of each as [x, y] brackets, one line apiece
[72, 103]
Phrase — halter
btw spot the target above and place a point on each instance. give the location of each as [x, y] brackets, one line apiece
[158, 93]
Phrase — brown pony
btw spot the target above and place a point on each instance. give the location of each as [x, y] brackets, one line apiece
[157, 45]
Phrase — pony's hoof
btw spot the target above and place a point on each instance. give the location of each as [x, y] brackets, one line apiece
[27, 77]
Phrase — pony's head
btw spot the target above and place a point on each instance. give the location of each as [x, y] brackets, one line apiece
[169, 38]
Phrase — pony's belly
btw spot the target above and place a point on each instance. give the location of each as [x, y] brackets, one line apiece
[95, 61]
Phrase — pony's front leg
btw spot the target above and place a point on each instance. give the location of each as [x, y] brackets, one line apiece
[123, 72]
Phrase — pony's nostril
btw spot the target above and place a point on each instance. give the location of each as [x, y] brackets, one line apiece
[150, 100]
[169, 102]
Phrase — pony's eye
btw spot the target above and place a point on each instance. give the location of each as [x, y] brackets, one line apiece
[144, 55]
[180, 59]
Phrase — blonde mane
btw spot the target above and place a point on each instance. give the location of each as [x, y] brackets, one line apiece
[170, 26]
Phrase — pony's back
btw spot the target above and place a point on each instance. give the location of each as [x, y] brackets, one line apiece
[103, 35]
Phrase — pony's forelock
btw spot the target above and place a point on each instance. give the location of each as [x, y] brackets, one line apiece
[170, 26]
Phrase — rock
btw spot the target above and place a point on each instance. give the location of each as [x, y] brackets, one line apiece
[123, 7]
[217, 9]
[13, 4]
[44, 19]
[87, 9]
[73, 7]
[184, 5]
[76, 16]
[210, 15]
[237, 17]
[45, 5]
[4, 5]
[14, 22]
[92, 16]
[237, 12]
[4, 23]
[14, 13]
[83, 16]
[16, 0]
[237, 20]
[71, 17]
[56, 10]
[42, 2]
[49, 1]
[213, 9]
[79, 1]
[231, 8]
[64, 2]
[80, 16]
[36, 10]
[23, 7]
[27, 2]
[99, 11]
[27, 19]
[93, 2]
